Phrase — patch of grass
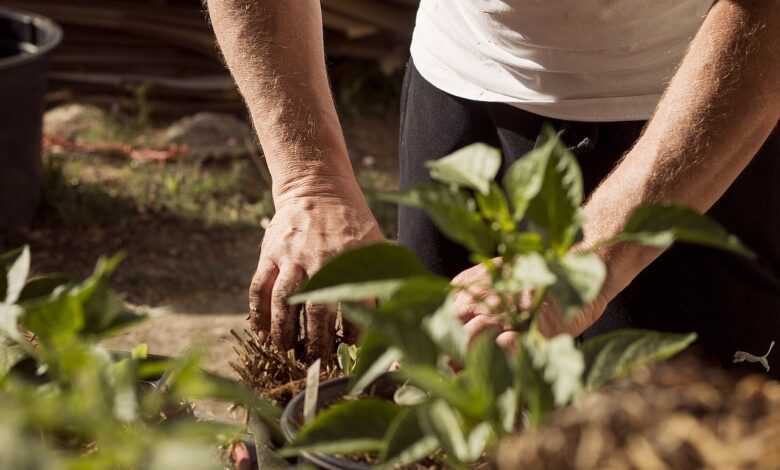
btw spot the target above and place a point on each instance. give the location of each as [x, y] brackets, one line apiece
[84, 189]
[88, 189]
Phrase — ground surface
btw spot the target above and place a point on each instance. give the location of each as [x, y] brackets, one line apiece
[190, 230]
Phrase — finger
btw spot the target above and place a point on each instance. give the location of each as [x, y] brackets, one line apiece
[284, 317]
[467, 307]
[260, 296]
[482, 324]
[320, 331]
[508, 340]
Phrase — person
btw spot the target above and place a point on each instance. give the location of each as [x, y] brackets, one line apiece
[665, 101]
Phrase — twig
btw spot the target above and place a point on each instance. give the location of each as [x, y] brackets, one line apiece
[742, 356]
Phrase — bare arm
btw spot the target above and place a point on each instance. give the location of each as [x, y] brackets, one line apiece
[719, 109]
[275, 51]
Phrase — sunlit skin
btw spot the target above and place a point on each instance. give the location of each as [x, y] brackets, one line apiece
[275, 51]
[718, 110]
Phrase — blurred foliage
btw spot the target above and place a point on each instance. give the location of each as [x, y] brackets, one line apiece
[67, 403]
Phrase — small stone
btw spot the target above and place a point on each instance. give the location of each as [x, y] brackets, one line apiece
[72, 121]
[211, 135]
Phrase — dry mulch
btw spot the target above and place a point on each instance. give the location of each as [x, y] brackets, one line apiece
[682, 414]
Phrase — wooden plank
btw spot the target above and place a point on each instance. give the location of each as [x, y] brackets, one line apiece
[349, 27]
[391, 17]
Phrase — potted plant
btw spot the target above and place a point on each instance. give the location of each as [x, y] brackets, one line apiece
[461, 413]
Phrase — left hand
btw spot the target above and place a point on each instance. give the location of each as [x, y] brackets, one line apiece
[478, 307]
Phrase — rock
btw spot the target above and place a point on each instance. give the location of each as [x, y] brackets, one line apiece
[72, 121]
[211, 135]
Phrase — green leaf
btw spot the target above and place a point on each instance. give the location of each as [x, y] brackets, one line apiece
[346, 355]
[350, 292]
[399, 319]
[10, 355]
[140, 352]
[374, 370]
[374, 360]
[615, 354]
[400, 329]
[447, 331]
[373, 271]
[525, 177]
[406, 440]
[409, 395]
[7, 259]
[17, 276]
[9, 322]
[346, 427]
[529, 271]
[507, 409]
[103, 308]
[311, 393]
[661, 225]
[377, 262]
[488, 371]
[562, 365]
[519, 243]
[454, 213]
[494, 207]
[580, 277]
[56, 318]
[125, 403]
[416, 299]
[556, 207]
[443, 422]
[479, 439]
[474, 167]
[533, 392]
[88, 308]
[438, 385]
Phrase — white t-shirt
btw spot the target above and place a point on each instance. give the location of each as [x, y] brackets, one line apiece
[581, 60]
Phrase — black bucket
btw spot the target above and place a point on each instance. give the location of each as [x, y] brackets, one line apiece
[25, 42]
[331, 392]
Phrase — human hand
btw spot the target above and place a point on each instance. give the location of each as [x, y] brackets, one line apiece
[481, 309]
[306, 230]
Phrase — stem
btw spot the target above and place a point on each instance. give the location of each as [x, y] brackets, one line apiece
[539, 296]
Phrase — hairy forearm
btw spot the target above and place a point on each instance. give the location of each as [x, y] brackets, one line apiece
[275, 51]
[718, 110]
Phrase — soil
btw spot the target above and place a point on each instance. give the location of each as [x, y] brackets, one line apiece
[685, 413]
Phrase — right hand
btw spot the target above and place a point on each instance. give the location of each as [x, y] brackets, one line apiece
[305, 231]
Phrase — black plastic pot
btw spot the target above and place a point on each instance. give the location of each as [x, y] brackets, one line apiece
[25, 43]
[331, 392]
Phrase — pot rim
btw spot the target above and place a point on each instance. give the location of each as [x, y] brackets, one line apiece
[53, 36]
[290, 429]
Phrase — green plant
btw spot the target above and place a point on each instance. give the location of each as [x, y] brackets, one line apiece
[67, 403]
[494, 393]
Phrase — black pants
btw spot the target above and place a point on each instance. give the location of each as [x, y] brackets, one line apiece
[732, 302]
